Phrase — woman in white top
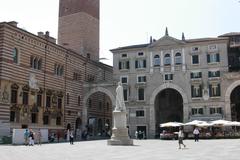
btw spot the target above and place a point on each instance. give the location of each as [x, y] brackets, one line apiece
[180, 138]
[196, 134]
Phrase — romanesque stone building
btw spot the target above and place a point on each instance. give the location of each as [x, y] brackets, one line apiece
[46, 85]
[179, 80]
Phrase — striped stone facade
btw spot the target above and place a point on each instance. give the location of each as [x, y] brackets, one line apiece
[60, 74]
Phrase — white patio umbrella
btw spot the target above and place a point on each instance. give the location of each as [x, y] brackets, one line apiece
[234, 123]
[194, 123]
[171, 124]
[220, 122]
[204, 124]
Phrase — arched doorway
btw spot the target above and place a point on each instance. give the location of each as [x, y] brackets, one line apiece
[99, 109]
[168, 107]
[235, 104]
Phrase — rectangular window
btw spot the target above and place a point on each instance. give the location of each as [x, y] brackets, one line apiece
[141, 94]
[124, 80]
[100, 106]
[59, 103]
[39, 100]
[195, 59]
[25, 98]
[140, 53]
[140, 113]
[141, 79]
[214, 90]
[34, 118]
[125, 94]
[123, 65]
[195, 75]
[215, 110]
[58, 121]
[45, 119]
[48, 101]
[141, 63]
[14, 96]
[79, 100]
[12, 116]
[213, 58]
[168, 77]
[197, 111]
[195, 49]
[212, 74]
[89, 103]
[212, 47]
[196, 91]
[124, 55]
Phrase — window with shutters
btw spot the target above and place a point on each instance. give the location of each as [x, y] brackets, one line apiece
[195, 59]
[167, 59]
[212, 74]
[214, 90]
[140, 54]
[216, 110]
[125, 94]
[196, 75]
[213, 58]
[141, 94]
[123, 65]
[140, 63]
[197, 111]
[124, 55]
[196, 90]
[156, 61]
[141, 79]
[14, 96]
[15, 56]
[25, 98]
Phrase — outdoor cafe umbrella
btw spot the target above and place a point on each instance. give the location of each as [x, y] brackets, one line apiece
[234, 123]
[220, 122]
[171, 124]
[204, 124]
[194, 123]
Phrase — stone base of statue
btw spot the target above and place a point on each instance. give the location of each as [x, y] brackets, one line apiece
[120, 131]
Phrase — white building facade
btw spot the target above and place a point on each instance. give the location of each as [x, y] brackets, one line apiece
[178, 80]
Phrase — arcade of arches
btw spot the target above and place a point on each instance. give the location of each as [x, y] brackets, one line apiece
[168, 107]
[99, 108]
[235, 104]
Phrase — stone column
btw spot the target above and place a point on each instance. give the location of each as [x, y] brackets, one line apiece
[151, 62]
[227, 111]
[172, 61]
[183, 60]
[152, 122]
[185, 112]
[161, 63]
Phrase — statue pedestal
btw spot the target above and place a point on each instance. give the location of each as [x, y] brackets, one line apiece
[120, 131]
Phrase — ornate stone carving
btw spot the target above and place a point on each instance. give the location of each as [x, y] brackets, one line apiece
[5, 95]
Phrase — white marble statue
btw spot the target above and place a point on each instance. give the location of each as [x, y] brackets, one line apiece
[33, 82]
[120, 105]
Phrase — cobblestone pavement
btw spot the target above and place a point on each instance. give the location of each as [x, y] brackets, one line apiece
[228, 149]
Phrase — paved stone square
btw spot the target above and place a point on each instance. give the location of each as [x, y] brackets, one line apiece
[142, 150]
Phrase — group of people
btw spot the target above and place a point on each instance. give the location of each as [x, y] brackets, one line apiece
[30, 136]
[196, 133]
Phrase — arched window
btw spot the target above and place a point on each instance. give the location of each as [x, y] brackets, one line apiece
[178, 58]
[156, 60]
[39, 64]
[35, 63]
[15, 55]
[167, 59]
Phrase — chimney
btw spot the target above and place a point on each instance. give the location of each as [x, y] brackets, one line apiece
[47, 34]
[183, 37]
[40, 34]
[13, 23]
[151, 40]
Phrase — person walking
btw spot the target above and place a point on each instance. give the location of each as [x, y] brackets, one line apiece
[31, 138]
[71, 137]
[136, 134]
[39, 137]
[180, 138]
[26, 137]
[196, 134]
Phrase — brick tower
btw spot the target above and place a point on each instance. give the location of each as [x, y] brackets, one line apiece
[78, 26]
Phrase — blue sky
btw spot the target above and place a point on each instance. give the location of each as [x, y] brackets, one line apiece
[129, 22]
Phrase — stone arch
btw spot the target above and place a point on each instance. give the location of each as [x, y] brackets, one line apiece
[88, 94]
[166, 86]
[228, 92]
[99, 89]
